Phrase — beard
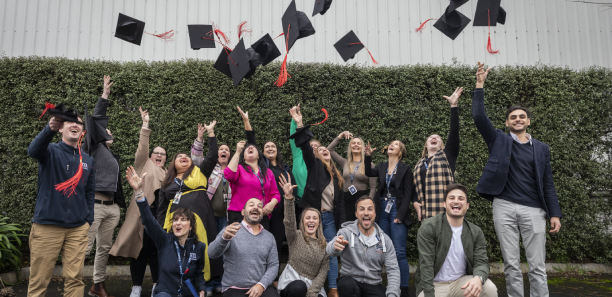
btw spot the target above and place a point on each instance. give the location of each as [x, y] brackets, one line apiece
[515, 131]
[251, 221]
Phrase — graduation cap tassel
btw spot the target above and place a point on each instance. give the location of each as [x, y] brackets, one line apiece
[422, 26]
[167, 36]
[68, 187]
[47, 107]
[244, 29]
[222, 36]
[374, 61]
[489, 46]
[279, 35]
[282, 76]
[325, 119]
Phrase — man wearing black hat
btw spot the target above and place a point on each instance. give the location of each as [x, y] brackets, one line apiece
[64, 205]
[109, 192]
[518, 180]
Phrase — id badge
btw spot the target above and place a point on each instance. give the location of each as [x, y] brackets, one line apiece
[177, 198]
[352, 189]
[227, 197]
[389, 205]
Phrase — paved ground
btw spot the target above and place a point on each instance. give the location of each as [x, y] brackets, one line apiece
[558, 286]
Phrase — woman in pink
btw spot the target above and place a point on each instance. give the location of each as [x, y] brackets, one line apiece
[250, 178]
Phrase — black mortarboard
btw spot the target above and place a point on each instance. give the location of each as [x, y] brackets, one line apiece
[254, 61]
[129, 29]
[348, 46]
[454, 4]
[451, 23]
[199, 36]
[501, 16]
[321, 6]
[484, 9]
[266, 49]
[290, 25]
[62, 112]
[222, 62]
[306, 28]
[241, 62]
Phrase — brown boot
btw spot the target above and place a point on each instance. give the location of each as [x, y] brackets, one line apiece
[101, 292]
[333, 293]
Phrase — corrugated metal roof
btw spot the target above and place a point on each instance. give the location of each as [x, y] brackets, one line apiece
[551, 32]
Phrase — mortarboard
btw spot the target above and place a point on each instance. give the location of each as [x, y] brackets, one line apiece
[296, 25]
[305, 27]
[454, 4]
[129, 29]
[451, 23]
[501, 16]
[254, 61]
[200, 36]
[290, 25]
[242, 62]
[349, 45]
[321, 6]
[266, 49]
[222, 63]
[62, 112]
[485, 10]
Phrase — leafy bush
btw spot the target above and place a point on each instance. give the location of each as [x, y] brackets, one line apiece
[10, 256]
[572, 112]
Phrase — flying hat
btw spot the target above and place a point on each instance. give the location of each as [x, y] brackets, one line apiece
[321, 6]
[129, 29]
[242, 62]
[200, 36]
[349, 45]
[62, 112]
[266, 49]
[452, 23]
[485, 10]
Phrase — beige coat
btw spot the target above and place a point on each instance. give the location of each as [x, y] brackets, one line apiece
[129, 240]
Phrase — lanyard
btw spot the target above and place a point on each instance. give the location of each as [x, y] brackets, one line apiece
[353, 174]
[176, 179]
[388, 179]
[261, 182]
[178, 254]
[425, 163]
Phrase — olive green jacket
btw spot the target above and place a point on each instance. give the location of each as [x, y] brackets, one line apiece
[433, 241]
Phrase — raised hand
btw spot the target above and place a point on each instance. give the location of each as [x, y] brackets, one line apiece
[340, 243]
[369, 150]
[145, 117]
[244, 115]
[230, 231]
[296, 115]
[346, 135]
[240, 146]
[454, 98]
[136, 182]
[287, 187]
[481, 75]
[107, 86]
[201, 130]
[211, 128]
[56, 123]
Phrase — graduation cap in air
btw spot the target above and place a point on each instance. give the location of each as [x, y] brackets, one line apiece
[501, 16]
[488, 10]
[321, 6]
[349, 45]
[62, 112]
[129, 29]
[201, 36]
[266, 49]
[242, 62]
[222, 63]
[451, 23]
[454, 4]
[296, 25]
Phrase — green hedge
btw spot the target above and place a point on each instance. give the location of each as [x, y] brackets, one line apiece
[572, 112]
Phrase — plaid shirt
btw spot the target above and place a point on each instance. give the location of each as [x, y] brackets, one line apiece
[439, 175]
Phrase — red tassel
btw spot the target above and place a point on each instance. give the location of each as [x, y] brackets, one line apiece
[368, 52]
[47, 107]
[222, 37]
[167, 36]
[489, 46]
[420, 28]
[244, 30]
[282, 76]
[325, 119]
[68, 187]
[279, 35]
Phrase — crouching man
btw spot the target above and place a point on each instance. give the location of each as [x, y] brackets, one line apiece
[453, 252]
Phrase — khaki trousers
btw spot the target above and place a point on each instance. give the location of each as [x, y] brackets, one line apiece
[46, 241]
[106, 218]
[453, 288]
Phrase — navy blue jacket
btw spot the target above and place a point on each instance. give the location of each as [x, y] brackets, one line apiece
[58, 162]
[169, 273]
[495, 173]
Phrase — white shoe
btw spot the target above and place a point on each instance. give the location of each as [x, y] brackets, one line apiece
[136, 290]
[152, 290]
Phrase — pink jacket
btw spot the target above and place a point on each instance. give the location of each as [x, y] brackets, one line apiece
[245, 185]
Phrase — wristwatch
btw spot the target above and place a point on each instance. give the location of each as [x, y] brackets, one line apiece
[481, 279]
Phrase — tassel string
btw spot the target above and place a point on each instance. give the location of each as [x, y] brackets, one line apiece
[167, 36]
[366, 50]
[489, 46]
[325, 119]
[244, 30]
[420, 28]
[68, 188]
[282, 76]
[279, 35]
[47, 107]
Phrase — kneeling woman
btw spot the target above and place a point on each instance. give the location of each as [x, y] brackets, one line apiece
[308, 263]
[179, 248]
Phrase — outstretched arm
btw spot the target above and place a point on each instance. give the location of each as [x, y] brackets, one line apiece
[452, 142]
[210, 161]
[142, 153]
[233, 164]
[332, 148]
[369, 170]
[479, 114]
[102, 104]
[302, 141]
[197, 147]
[245, 119]
[38, 148]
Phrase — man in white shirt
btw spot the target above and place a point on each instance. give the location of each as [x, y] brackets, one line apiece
[453, 252]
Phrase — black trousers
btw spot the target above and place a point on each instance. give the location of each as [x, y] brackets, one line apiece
[349, 287]
[148, 253]
[349, 203]
[269, 292]
[296, 288]
[236, 217]
[277, 228]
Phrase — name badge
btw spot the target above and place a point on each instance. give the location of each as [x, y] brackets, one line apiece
[389, 205]
[177, 197]
[352, 189]
[193, 256]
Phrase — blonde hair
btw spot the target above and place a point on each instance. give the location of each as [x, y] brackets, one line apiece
[425, 147]
[331, 168]
[349, 157]
[320, 237]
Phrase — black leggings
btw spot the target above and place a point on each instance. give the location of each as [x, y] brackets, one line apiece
[349, 287]
[296, 288]
[269, 292]
[139, 265]
[277, 228]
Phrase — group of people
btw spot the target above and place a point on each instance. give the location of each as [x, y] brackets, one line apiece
[222, 217]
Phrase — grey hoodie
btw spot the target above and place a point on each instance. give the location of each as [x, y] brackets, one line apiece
[363, 263]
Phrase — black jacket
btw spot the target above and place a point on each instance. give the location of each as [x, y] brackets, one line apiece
[403, 185]
[318, 178]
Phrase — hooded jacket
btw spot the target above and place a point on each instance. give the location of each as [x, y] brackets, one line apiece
[58, 162]
[365, 264]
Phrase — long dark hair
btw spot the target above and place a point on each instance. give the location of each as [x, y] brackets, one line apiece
[260, 162]
[188, 214]
[171, 173]
[279, 157]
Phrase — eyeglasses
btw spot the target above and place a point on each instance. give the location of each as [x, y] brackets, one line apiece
[159, 154]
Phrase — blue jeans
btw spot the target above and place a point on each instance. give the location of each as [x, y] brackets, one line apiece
[215, 282]
[398, 234]
[329, 231]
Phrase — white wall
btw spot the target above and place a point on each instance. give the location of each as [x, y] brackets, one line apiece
[552, 32]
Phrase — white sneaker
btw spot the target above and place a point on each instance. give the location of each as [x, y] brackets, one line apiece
[136, 290]
[152, 290]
